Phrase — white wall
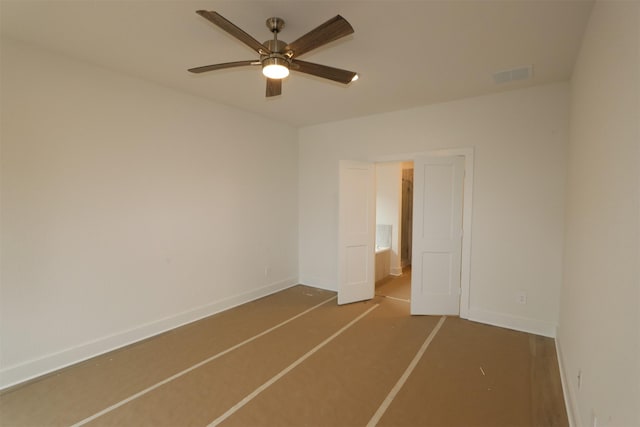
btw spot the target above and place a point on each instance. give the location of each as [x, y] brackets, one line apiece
[599, 331]
[520, 140]
[389, 207]
[129, 208]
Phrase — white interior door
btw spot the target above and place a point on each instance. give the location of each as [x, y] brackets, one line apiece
[356, 235]
[437, 235]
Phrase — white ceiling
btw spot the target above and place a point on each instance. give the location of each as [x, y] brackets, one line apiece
[408, 53]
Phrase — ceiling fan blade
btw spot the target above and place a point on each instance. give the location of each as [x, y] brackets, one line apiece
[335, 28]
[213, 67]
[324, 71]
[236, 32]
[274, 87]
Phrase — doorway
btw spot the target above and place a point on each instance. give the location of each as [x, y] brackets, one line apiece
[406, 221]
[434, 175]
[394, 200]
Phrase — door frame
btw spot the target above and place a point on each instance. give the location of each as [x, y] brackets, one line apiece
[467, 211]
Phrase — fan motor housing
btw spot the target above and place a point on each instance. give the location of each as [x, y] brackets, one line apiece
[277, 55]
[275, 46]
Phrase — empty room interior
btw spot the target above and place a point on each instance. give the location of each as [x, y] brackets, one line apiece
[431, 218]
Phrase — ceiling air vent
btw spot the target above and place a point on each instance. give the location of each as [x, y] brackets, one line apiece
[513, 74]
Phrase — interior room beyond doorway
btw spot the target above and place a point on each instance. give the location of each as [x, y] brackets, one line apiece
[394, 216]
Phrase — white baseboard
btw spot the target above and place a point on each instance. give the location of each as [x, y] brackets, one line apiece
[523, 324]
[569, 397]
[396, 271]
[15, 374]
[318, 282]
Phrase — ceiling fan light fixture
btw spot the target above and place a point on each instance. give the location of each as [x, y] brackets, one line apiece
[275, 68]
[278, 57]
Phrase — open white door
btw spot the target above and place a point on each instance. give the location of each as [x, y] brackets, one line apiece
[437, 235]
[356, 232]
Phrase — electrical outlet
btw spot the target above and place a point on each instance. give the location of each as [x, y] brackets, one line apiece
[522, 297]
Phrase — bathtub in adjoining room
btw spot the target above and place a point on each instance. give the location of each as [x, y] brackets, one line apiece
[383, 262]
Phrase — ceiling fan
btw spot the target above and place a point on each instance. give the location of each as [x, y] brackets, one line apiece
[278, 57]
